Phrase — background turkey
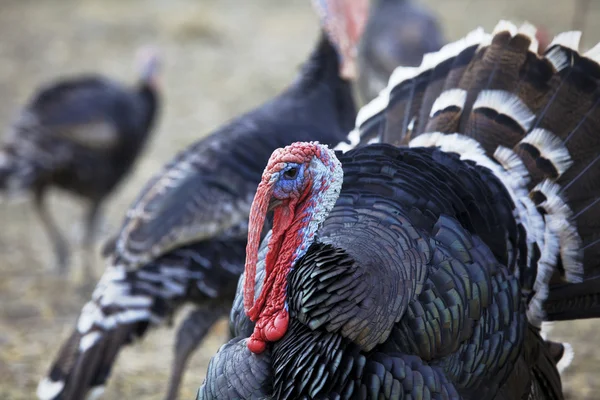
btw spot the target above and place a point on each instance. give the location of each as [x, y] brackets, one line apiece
[398, 32]
[81, 135]
[183, 239]
[432, 274]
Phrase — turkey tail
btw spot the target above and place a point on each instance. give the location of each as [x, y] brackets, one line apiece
[84, 363]
[118, 313]
[17, 173]
[534, 121]
[27, 156]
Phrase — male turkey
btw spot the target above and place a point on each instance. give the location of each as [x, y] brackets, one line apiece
[398, 32]
[428, 272]
[183, 240]
[81, 135]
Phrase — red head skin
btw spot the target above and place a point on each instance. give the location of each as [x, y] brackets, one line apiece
[543, 37]
[289, 219]
[344, 21]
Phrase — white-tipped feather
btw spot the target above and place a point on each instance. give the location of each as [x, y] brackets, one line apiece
[559, 218]
[546, 329]
[593, 53]
[89, 340]
[556, 54]
[449, 98]
[372, 108]
[511, 162]
[545, 269]
[353, 137]
[566, 359]
[568, 354]
[431, 60]
[95, 393]
[506, 103]
[118, 294]
[568, 39]
[558, 58]
[530, 31]
[411, 124]
[570, 253]
[89, 313]
[402, 74]
[48, 389]
[550, 147]
[554, 203]
[505, 26]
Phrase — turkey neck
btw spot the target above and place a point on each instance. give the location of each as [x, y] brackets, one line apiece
[148, 96]
[320, 76]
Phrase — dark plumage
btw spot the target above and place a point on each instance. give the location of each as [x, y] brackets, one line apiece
[398, 32]
[183, 239]
[432, 273]
[81, 135]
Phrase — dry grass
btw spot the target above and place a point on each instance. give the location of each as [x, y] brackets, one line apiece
[222, 57]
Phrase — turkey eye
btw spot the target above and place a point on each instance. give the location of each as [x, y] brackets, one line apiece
[291, 173]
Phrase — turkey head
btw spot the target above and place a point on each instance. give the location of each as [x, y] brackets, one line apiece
[300, 184]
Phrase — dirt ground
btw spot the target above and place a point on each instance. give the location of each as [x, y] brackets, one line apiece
[221, 58]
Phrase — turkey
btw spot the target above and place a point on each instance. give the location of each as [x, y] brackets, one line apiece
[398, 32]
[425, 266]
[183, 240]
[82, 135]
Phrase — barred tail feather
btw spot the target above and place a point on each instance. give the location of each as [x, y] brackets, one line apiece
[115, 317]
[534, 121]
[84, 364]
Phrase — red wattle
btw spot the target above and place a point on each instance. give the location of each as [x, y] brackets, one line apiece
[256, 346]
[277, 326]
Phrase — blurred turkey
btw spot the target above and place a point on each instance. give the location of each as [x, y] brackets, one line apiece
[398, 32]
[429, 272]
[183, 240]
[81, 135]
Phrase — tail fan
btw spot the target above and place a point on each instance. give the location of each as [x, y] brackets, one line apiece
[27, 155]
[533, 121]
[123, 306]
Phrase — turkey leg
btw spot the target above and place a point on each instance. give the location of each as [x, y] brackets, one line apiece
[190, 334]
[61, 249]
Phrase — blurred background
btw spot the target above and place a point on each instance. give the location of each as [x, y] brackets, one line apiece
[221, 57]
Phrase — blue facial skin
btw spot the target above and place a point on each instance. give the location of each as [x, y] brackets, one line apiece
[290, 181]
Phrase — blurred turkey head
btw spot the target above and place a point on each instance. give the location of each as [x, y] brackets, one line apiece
[344, 21]
[398, 33]
[148, 65]
[543, 37]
